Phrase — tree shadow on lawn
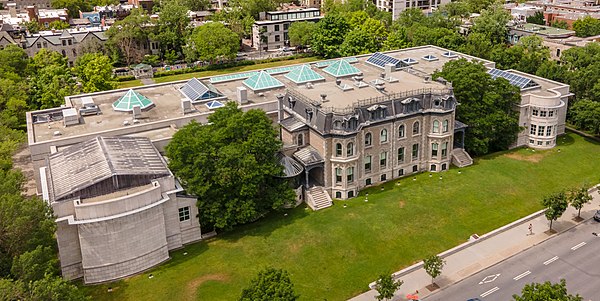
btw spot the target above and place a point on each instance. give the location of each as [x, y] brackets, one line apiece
[264, 226]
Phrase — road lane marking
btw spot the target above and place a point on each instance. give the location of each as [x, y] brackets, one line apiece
[489, 278]
[578, 246]
[522, 275]
[489, 292]
[551, 260]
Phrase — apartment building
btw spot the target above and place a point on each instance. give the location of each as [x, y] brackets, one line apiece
[270, 32]
[398, 6]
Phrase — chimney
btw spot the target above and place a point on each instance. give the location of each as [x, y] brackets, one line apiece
[12, 9]
[242, 95]
[338, 82]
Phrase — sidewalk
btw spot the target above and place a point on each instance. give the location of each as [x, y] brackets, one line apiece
[491, 248]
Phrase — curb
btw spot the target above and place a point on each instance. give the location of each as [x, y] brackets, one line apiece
[465, 245]
[509, 257]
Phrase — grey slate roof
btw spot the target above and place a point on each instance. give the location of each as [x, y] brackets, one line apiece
[87, 163]
[459, 125]
[292, 124]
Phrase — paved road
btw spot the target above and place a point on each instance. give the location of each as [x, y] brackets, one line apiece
[573, 255]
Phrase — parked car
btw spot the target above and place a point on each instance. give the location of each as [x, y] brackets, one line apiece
[597, 216]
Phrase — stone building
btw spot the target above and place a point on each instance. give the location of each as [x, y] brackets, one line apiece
[69, 43]
[119, 209]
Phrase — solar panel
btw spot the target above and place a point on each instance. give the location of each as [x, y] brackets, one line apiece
[194, 89]
[513, 79]
[380, 60]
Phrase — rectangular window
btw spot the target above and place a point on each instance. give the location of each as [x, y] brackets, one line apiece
[383, 159]
[444, 149]
[367, 164]
[415, 151]
[286, 26]
[533, 128]
[39, 45]
[541, 129]
[338, 175]
[540, 142]
[434, 150]
[550, 113]
[543, 113]
[276, 27]
[184, 214]
[415, 168]
[70, 42]
[549, 131]
[277, 38]
[401, 172]
[531, 141]
[534, 112]
[350, 174]
[401, 155]
[45, 44]
[368, 181]
[64, 42]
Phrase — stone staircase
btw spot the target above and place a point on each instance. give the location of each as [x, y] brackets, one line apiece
[317, 198]
[461, 158]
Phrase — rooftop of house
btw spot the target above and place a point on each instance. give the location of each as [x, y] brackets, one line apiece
[544, 30]
[358, 78]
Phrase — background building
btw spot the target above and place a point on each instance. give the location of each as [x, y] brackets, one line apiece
[397, 6]
[270, 32]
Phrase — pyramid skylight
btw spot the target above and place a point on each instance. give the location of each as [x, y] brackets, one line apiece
[262, 81]
[131, 99]
[304, 74]
[341, 68]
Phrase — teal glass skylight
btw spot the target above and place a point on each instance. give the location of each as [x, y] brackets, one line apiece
[131, 99]
[341, 68]
[303, 74]
[262, 81]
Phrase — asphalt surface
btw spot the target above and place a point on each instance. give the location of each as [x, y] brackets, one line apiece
[573, 256]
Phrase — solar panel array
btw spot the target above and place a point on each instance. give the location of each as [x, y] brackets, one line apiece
[193, 89]
[380, 60]
[231, 77]
[513, 79]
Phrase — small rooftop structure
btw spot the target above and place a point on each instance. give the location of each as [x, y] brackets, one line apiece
[341, 68]
[215, 104]
[262, 81]
[131, 99]
[195, 90]
[304, 74]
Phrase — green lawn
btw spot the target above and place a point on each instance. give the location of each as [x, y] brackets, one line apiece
[334, 253]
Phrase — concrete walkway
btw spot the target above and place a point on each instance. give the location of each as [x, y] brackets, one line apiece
[489, 249]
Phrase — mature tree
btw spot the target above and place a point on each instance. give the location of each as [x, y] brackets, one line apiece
[560, 24]
[196, 5]
[433, 266]
[584, 66]
[58, 25]
[439, 36]
[51, 79]
[53, 288]
[546, 291]
[73, 6]
[537, 18]
[11, 290]
[358, 41]
[411, 16]
[33, 265]
[13, 59]
[555, 205]
[578, 197]
[10, 141]
[586, 27]
[478, 45]
[486, 105]
[458, 9]
[171, 29]
[478, 5]
[32, 26]
[386, 286]
[300, 33]
[527, 55]
[585, 115]
[95, 72]
[396, 39]
[553, 70]
[231, 165]
[356, 18]
[270, 285]
[210, 42]
[13, 86]
[128, 35]
[492, 23]
[92, 46]
[238, 20]
[329, 35]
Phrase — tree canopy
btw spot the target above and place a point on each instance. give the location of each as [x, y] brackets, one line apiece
[586, 27]
[95, 72]
[231, 165]
[51, 79]
[270, 285]
[210, 42]
[492, 24]
[172, 27]
[486, 106]
[546, 291]
[329, 34]
[301, 33]
[126, 36]
[555, 205]
[433, 265]
[386, 286]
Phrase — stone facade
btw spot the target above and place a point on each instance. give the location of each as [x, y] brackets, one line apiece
[273, 27]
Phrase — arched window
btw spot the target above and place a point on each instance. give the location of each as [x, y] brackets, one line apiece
[383, 136]
[436, 126]
[416, 128]
[368, 139]
[300, 140]
[557, 52]
[64, 53]
[350, 149]
[338, 149]
[445, 126]
[401, 131]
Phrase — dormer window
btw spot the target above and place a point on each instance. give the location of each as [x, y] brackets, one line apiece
[337, 124]
[377, 112]
[291, 102]
[352, 123]
[309, 114]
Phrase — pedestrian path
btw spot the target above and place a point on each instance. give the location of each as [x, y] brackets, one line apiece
[487, 250]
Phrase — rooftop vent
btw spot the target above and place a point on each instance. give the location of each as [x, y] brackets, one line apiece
[324, 97]
[137, 112]
[186, 105]
[242, 95]
[70, 116]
